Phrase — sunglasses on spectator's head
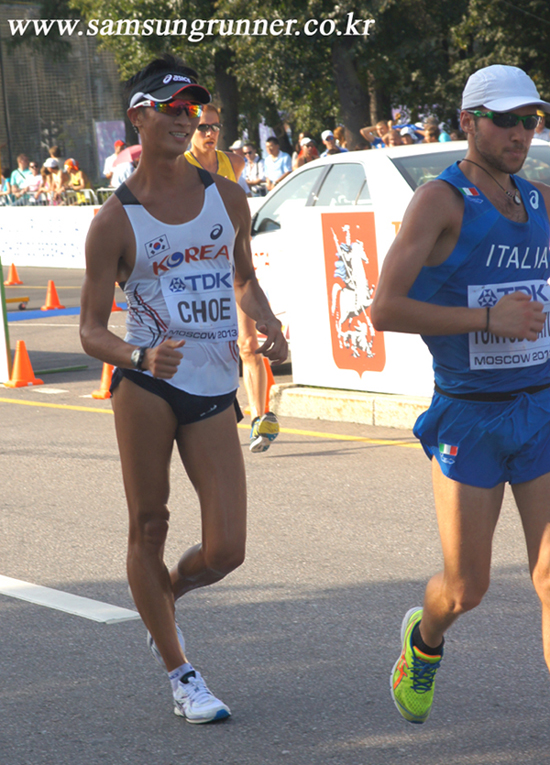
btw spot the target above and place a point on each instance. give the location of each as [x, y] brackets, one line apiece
[215, 127]
[174, 108]
[509, 119]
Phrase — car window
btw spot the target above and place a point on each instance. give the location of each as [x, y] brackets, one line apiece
[537, 164]
[420, 168]
[293, 196]
[343, 185]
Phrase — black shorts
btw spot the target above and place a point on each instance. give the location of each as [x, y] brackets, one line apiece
[187, 407]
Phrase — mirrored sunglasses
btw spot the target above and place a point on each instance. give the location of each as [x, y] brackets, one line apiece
[509, 120]
[174, 108]
[215, 127]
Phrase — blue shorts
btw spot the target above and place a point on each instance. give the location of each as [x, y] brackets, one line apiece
[487, 443]
[187, 407]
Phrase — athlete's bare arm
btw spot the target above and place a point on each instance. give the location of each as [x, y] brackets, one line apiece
[110, 255]
[250, 296]
[429, 232]
[237, 163]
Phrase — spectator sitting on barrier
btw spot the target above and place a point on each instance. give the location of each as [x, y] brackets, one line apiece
[277, 164]
[78, 179]
[237, 148]
[46, 185]
[431, 127]
[20, 174]
[374, 134]
[327, 137]
[108, 166]
[121, 173]
[340, 137]
[408, 136]
[308, 152]
[30, 190]
[58, 181]
[297, 150]
[55, 153]
[393, 138]
[358, 144]
[300, 150]
[541, 131]
[254, 171]
[5, 187]
[431, 134]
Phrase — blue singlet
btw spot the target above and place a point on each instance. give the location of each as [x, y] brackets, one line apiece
[493, 256]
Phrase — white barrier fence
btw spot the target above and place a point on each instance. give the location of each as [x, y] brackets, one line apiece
[37, 235]
[44, 236]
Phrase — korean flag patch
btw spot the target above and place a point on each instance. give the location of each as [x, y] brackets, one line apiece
[157, 246]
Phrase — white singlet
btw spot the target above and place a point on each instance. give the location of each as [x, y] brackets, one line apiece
[181, 288]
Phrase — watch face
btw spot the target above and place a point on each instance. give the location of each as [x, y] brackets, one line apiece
[135, 357]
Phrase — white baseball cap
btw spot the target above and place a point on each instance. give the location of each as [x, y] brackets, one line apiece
[501, 88]
[326, 134]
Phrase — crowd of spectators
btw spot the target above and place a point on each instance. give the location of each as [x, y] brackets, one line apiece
[53, 182]
[262, 175]
[58, 181]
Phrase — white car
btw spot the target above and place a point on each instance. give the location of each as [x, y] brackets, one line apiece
[318, 241]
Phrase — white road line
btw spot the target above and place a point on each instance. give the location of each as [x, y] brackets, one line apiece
[48, 390]
[64, 601]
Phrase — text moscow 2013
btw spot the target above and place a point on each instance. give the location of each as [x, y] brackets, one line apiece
[196, 29]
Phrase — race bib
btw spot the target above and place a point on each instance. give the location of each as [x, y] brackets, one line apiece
[201, 305]
[487, 351]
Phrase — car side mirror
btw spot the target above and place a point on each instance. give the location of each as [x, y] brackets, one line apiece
[268, 225]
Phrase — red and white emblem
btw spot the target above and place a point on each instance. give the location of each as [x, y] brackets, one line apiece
[351, 266]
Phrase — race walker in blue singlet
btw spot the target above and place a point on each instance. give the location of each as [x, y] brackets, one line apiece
[493, 257]
[468, 271]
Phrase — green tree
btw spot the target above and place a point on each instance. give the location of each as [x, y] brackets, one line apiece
[502, 32]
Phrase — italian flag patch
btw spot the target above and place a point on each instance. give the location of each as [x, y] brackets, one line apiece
[448, 449]
[471, 192]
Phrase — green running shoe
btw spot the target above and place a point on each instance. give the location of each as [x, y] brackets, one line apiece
[413, 675]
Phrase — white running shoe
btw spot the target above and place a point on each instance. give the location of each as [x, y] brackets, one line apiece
[194, 701]
[155, 651]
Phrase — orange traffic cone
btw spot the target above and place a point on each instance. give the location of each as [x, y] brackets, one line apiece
[13, 277]
[115, 307]
[22, 374]
[270, 382]
[52, 301]
[105, 383]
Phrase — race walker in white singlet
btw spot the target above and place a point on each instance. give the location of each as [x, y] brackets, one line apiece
[181, 288]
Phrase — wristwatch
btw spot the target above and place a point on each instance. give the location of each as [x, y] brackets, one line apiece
[138, 354]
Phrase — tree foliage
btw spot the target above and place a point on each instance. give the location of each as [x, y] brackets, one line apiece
[418, 54]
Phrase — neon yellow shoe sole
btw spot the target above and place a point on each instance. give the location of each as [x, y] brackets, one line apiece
[413, 675]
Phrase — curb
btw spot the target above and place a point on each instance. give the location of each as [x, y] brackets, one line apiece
[382, 409]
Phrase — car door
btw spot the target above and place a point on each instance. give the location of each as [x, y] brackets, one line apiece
[288, 203]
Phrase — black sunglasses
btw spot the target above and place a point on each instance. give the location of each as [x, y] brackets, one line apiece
[214, 127]
[509, 120]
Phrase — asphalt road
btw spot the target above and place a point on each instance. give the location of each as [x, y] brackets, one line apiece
[299, 641]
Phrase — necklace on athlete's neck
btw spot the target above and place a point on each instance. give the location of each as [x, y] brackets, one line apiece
[515, 196]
